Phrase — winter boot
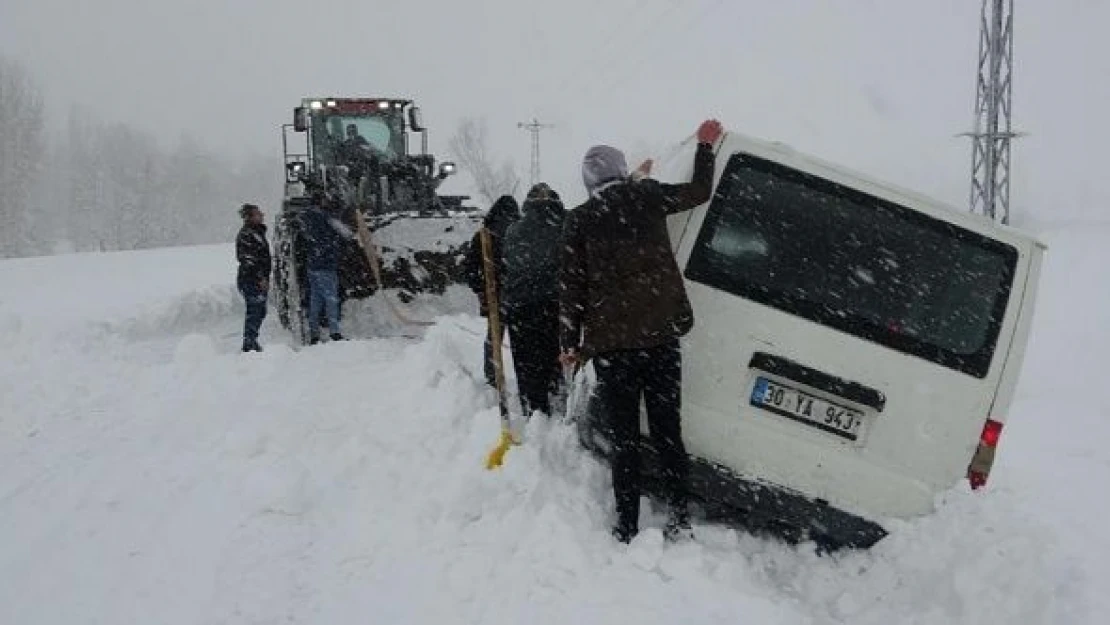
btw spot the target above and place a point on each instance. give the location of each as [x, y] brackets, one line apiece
[627, 525]
[624, 533]
[337, 337]
[678, 526]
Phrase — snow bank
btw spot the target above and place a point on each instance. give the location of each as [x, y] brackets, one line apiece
[374, 316]
[50, 293]
[156, 475]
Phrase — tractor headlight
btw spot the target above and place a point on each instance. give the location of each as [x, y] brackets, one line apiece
[316, 105]
[331, 103]
[383, 105]
[294, 172]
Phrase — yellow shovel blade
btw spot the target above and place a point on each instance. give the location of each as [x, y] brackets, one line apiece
[497, 454]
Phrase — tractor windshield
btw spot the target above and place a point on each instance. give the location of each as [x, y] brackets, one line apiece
[341, 138]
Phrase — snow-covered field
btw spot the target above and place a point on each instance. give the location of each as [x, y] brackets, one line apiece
[150, 473]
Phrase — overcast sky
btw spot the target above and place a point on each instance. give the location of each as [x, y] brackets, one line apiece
[879, 85]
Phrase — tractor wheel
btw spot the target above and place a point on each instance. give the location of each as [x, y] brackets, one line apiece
[291, 287]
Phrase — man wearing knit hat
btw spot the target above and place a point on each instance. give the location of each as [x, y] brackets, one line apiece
[623, 305]
[531, 296]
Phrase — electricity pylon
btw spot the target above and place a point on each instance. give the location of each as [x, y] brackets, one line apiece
[990, 153]
[534, 127]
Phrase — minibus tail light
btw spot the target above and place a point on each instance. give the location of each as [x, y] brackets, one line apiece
[992, 431]
[981, 462]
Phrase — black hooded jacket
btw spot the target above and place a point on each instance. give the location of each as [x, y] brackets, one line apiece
[532, 250]
[504, 213]
[253, 252]
[621, 287]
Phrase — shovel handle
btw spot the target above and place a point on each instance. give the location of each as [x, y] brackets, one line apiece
[489, 274]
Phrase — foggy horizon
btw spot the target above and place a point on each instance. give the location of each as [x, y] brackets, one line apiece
[883, 87]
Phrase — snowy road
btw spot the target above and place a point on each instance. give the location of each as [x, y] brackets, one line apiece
[149, 473]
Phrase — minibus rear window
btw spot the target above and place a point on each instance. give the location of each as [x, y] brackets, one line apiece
[850, 261]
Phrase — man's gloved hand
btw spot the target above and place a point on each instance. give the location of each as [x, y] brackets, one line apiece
[710, 131]
[644, 170]
[569, 358]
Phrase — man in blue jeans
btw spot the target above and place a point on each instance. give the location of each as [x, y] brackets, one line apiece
[253, 279]
[325, 235]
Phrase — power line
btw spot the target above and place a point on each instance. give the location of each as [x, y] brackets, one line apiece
[646, 56]
[598, 57]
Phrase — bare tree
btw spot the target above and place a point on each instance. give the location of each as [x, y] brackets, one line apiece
[21, 154]
[470, 149]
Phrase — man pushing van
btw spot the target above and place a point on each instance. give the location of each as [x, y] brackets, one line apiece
[623, 305]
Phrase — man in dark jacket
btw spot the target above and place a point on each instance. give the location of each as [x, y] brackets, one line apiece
[358, 154]
[504, 213]
[623, 304]
[325, 236]
[253, 279]
[531, 293]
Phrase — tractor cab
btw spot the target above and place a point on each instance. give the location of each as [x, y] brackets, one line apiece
[358, 150]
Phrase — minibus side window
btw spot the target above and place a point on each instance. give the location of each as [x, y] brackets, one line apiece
[855, 263]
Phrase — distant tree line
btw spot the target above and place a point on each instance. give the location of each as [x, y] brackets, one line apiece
[94, 185]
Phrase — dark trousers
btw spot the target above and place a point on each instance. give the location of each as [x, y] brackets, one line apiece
[487, 354]
[534, 338]
[255, 299]
[656, 375]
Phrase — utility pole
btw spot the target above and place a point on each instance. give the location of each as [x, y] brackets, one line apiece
[990, 153]
[534, 127]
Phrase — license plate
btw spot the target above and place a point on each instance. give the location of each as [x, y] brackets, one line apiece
[800, 406]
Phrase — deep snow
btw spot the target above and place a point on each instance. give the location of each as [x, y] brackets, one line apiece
[149, 473]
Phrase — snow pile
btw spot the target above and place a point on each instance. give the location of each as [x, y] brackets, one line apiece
[440, 234]
[50, 293]
[374, 316]
[151, 473]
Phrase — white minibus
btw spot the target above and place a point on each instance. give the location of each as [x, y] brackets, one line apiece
[855, 347]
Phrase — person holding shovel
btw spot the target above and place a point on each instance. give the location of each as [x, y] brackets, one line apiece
[504, 213]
